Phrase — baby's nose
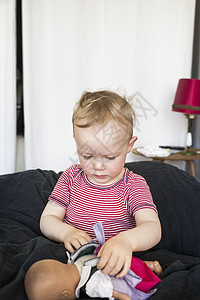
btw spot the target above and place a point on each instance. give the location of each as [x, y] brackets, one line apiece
[99, 164]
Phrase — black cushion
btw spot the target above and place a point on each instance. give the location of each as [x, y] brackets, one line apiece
[177, 197]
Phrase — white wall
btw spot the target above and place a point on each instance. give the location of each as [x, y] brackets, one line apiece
[7, 86]
[142, 47]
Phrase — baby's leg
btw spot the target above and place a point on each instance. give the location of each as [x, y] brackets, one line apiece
[155, 267]
[51, 280]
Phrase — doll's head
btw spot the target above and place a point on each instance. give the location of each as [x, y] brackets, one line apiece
[51, 280]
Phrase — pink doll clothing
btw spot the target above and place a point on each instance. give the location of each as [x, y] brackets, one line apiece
[149, 278]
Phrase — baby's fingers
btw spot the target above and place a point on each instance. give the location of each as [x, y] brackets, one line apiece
[74, 242]
[104, 258]
[117, 266]
[110, 264]
[124, 270]
[69, 247]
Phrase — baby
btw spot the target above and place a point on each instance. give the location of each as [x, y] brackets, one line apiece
[100, 188]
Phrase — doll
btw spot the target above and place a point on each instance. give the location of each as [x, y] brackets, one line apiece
[52, 280]
[60, 282]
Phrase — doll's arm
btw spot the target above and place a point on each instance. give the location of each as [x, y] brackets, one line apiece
[120, 296]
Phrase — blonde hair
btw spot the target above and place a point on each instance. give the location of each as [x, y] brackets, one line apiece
[97, 108]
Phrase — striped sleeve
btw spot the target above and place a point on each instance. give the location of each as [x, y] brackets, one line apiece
[61, 192]
[139, 194]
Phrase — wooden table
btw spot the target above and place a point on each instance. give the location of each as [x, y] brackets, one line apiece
[189, 158]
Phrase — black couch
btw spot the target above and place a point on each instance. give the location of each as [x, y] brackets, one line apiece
[23, 196]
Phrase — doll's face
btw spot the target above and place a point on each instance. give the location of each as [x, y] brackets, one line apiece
[51, 280]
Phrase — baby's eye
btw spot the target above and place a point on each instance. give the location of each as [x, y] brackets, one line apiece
[111, 157]
[87, 156]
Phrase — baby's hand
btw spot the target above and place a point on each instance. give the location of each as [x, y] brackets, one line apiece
[75, 239]
[116, 255]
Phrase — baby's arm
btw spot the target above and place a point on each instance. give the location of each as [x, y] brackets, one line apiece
[116, 253]
[147, 232]
[52, 225]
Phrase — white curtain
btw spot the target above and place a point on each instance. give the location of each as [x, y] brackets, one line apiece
[141, 47]
[7, 86]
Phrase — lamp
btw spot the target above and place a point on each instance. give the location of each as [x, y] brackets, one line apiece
[187, 101]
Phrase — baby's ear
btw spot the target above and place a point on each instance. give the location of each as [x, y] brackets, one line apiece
[131, 143]
[66, 294]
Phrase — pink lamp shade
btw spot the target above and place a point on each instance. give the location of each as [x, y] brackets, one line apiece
[187, 98]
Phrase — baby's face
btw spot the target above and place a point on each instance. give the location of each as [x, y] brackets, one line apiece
[102, 151]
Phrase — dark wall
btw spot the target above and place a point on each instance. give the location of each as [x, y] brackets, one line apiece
[196, 74]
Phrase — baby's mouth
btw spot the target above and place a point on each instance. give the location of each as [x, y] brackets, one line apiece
[100, 176]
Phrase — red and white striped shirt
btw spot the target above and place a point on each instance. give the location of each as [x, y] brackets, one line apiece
[114, 205]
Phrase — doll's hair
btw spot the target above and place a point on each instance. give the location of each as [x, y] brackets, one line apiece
[100, 107]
